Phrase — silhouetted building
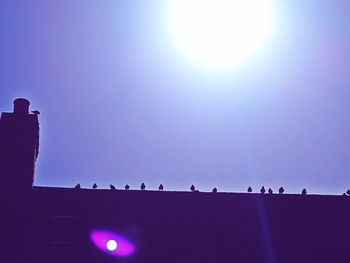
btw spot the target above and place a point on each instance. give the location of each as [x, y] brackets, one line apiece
[66, 225]
[19, 149]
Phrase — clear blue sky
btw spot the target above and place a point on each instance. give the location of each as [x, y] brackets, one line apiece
[119, 104]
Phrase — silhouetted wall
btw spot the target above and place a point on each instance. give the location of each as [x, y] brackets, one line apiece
[183, 227]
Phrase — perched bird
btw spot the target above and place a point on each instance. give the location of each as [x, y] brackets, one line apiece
[262, 190]
[94, 186]
[77, 186]
[304, 192]
[270, 191]
[215, 190]
[281, 190]
[112, 187]
[127, 187]
[143, 186]
[161, 187]
[192, 188]
[249, 189]
[36, 112]
[348, 192]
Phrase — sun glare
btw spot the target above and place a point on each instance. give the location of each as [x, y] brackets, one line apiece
[220, 33]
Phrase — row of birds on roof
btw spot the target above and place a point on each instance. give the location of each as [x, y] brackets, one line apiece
[215, 190]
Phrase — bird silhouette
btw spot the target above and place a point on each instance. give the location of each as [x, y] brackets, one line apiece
[127, 187]
[143, 186]
[94, 186]
[304, 192]
[249, 189]
[161, 187]
[192, 188]
[348, 192]
[281, 190]
[270, 191]
[36, 112]
[215, 190]
[112, 187]
[262, 190]
[77, 186]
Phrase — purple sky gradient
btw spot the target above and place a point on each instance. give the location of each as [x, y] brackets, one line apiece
[119, 104]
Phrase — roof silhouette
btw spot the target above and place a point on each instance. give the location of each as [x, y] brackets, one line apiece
[202, 227]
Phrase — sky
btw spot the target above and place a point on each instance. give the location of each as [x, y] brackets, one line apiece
[120, 103]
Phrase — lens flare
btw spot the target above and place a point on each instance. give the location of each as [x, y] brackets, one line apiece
[112, 243]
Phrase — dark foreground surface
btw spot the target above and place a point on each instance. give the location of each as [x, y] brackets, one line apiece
[54, 225]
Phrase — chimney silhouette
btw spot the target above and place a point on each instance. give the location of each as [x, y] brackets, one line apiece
[19, 149]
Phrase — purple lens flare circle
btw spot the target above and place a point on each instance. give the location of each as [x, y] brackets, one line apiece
[112, 243]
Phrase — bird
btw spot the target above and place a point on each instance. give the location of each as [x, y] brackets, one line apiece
[36, 112]
[77, 186]
[281, 190]
[262, 190]
[143, 186]
[112, 187]
[215, 190]
[161, 187]
[304, 192]
[94, 186]
[348, 192]
[249, 189]
[270, 191]
[192, 188]
[127, 187]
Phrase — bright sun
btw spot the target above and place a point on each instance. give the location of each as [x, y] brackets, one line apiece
[220, 33]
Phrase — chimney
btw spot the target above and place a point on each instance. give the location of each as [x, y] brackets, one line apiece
[21, 106]
[19, 149]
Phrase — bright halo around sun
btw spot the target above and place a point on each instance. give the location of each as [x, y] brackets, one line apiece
[220, 33]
